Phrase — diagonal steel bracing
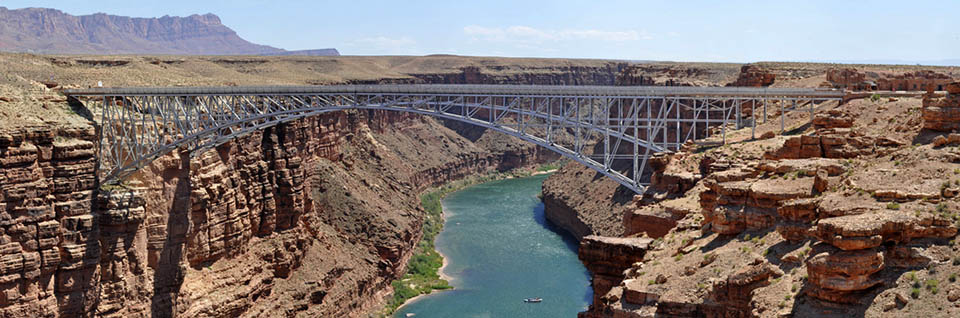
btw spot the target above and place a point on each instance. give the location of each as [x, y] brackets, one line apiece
[625, 125]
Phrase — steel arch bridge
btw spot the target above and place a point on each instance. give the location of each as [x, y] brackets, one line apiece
[613, 130]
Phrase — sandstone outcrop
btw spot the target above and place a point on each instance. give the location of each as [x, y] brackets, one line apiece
[832, 119]
[608, 257]
[754, 76]
[942, 114]
[857, 247]
[833, 143]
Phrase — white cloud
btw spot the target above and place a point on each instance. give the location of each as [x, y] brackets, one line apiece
[519, 33]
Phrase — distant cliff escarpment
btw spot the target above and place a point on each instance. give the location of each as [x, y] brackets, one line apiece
[50, 31]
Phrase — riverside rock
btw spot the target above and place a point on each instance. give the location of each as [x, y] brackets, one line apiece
[608, 257]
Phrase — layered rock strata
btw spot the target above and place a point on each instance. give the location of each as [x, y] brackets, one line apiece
[607, 258]
[754, 76]
[854, 79]
[228, 232]
[51, 242]
[942, 114]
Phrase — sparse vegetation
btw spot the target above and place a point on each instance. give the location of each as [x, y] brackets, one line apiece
[422, 270]
[551, 166]
[893, 206]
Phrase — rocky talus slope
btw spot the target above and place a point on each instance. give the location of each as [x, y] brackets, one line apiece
[854, 214]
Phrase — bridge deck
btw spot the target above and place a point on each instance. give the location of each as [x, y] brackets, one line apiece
[437, 89]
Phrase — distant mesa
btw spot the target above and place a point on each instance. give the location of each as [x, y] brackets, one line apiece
[51, 31]
[317, 52]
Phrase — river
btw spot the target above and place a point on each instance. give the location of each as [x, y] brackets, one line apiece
[500, 250]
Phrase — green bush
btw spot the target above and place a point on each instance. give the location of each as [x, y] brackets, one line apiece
[421, 276]
[550, 166]
[893, 206]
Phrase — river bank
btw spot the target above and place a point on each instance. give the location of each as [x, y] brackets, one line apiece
[488, 227]
[425, 269]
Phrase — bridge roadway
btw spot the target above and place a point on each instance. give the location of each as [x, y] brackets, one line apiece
[612, 129]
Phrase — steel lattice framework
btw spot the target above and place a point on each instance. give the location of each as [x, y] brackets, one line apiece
[613, 130]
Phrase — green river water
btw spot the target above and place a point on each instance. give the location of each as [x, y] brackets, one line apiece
[500, 250]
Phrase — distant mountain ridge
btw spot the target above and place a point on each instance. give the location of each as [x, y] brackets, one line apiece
[51, 31]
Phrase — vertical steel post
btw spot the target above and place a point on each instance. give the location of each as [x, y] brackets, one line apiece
[606, 133]
[783, 124]
[753, 119]
[577, 143]
[764, 110]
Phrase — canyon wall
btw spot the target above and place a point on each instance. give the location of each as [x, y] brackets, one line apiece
[857, 80]
[312, 217]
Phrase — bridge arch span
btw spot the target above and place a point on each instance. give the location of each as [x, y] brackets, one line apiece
[138, 125]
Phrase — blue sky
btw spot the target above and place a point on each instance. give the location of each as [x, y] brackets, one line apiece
[733, 31]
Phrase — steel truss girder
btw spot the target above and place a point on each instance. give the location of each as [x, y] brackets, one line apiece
[137, 128]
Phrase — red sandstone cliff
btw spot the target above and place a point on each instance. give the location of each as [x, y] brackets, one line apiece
[312, 217]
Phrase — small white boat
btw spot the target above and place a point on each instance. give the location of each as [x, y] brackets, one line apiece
[533, 300]
[410, 314]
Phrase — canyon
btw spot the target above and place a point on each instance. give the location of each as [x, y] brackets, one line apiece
[317, 216]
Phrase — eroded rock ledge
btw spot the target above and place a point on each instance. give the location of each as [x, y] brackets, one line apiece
[852, 215]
